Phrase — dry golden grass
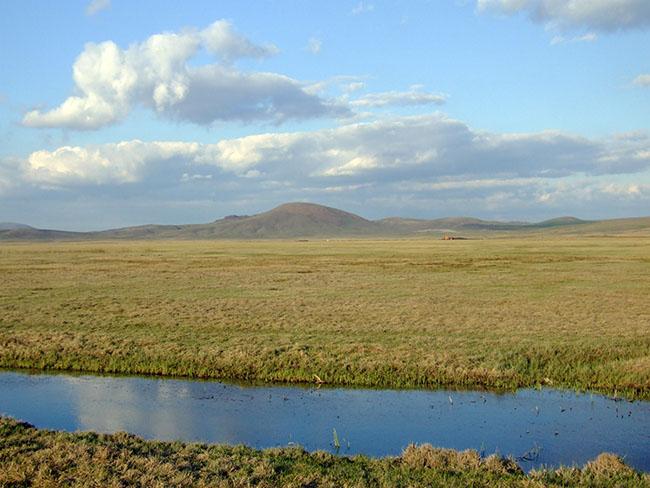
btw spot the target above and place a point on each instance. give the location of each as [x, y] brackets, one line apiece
[31, 457]
[496, 313]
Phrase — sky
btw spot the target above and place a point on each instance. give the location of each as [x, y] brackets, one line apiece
[117, 113]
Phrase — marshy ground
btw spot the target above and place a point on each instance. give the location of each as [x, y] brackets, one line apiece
[31, 457]
[570, 312]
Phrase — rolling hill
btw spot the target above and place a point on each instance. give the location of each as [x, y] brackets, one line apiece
[296, 220]
[31, 234]
[13, 226]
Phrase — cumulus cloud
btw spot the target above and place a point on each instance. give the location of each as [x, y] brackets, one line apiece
[421, 148]
[95, 6]
[222, 40]
[434, 146]
[599, 15]
[400, 98]
[157, 74]
[642, 80]
[115, 163]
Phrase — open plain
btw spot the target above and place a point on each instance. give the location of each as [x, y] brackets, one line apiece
[504, 313]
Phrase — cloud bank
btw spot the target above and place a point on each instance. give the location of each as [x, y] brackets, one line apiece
[598, 15]
[157, 74]
[416, 148]
[422, 166]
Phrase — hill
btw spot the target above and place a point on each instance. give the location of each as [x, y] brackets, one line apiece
[560, 221]
[296, 220]
[288, 220]
[612, 227]
[13, 226]
[32, 234]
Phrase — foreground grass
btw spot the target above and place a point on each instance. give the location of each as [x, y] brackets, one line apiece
[500, 313]
[31, 457]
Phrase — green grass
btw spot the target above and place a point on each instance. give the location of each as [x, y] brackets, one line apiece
[31, 457]
[498, 313]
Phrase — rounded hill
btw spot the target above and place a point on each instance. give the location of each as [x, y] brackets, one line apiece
[295, 219]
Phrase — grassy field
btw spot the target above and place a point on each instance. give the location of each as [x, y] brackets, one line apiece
[31, 457]
[498, 313]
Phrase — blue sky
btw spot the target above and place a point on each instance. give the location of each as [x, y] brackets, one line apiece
[119, 113]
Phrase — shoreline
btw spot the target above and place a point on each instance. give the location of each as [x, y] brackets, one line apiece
[278, 378]
[37, 456]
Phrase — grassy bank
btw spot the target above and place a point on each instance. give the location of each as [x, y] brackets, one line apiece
[420, 313]
[31, 457]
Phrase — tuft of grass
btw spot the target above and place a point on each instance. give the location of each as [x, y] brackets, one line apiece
[608, 465]
[33, 457]
[497, 313]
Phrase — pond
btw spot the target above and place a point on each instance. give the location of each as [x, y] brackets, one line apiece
[539, 427]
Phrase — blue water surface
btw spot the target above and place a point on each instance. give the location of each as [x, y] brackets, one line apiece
[539, 427]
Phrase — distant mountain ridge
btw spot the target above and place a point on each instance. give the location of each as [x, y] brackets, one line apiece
[295, 220]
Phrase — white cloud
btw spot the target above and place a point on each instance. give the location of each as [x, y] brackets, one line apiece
[590, 192]
[433, 145]
[354, 86]
[424, 166]
[356, 164]
[546, 190]
[598, 15]
[189, 177]
[589, 37]
[344, 84]
[115, 163]
[430, 148]
[626, 190]
[95, 6]
[156, 74]
[455, 184]
[402, 98]
[642, 80]
[314, 45]
[222, 40]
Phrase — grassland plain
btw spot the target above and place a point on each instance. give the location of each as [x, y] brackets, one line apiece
[497, 313]
[31, 457]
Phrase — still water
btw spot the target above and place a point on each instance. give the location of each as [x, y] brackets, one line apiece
[540, 427]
